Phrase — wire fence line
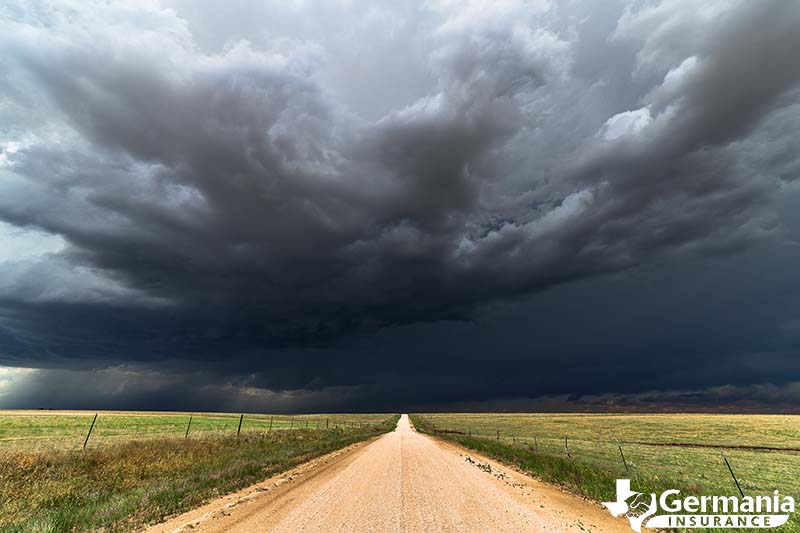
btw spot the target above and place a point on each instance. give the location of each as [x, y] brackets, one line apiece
[709, 468]
[53, 431]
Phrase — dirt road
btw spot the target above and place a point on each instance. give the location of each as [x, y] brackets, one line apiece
[401, 482]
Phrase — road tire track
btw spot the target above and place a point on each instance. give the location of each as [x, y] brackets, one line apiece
[402, 482]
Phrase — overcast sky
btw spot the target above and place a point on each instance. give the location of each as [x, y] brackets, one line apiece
[347, 205]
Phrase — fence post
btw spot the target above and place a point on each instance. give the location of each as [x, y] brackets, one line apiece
[514, 440]
[566, 447]
[732, 474]
[187, 427]
[327, 421]
[624, 462]
[535, 444]
[306, 423]
[270, 423]
[90, 430]
[498, 434]
[239, 429]
[291, 422]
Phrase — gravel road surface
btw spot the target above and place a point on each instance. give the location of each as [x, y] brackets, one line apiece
[401, 482]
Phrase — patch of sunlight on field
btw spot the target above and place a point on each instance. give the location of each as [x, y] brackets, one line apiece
[63, 430]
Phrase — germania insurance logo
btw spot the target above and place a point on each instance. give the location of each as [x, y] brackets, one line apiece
[671, 510]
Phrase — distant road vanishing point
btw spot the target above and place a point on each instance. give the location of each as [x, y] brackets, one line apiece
[401, 482]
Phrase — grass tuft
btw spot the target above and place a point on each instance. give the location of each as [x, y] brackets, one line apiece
[587, 475]
[126, 485]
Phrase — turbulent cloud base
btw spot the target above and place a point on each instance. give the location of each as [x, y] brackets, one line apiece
[275, 190]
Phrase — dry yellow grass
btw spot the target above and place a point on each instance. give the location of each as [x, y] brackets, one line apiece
[122, 484]
[682, 451]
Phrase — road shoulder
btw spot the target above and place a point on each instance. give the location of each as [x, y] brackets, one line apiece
[260, 493]
[569, 511]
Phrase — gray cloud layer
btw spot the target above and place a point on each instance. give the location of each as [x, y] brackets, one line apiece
[201, 186]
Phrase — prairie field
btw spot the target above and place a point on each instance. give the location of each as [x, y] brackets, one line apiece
[140, 467]
[584, 452]
[64, 430]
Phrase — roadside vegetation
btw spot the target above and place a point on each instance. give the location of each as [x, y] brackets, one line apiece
[584, 452]
[124, 484]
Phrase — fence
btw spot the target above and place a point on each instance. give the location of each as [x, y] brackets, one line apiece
[700, 467]
[48, 431]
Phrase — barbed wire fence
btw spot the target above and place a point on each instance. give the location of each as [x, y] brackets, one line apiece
[752, 470]
[54, 432]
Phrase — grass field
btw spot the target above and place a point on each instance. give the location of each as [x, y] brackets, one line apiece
[682, 451]
[140, 468]
[64, 430]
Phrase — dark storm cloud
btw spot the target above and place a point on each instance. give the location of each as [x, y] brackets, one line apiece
[201, 188]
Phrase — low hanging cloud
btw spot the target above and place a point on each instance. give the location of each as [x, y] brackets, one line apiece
[138, 388]
[207, 188]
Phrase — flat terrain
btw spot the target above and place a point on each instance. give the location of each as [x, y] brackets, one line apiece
[686, 449]
[139, 467]
[139, 475]
[64, 430]
[402, 482]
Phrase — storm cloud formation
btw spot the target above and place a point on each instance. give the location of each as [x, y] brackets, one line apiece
[293, 198]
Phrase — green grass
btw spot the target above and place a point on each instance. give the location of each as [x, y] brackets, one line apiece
[662, 451]
[57, 430]
[128, 482]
